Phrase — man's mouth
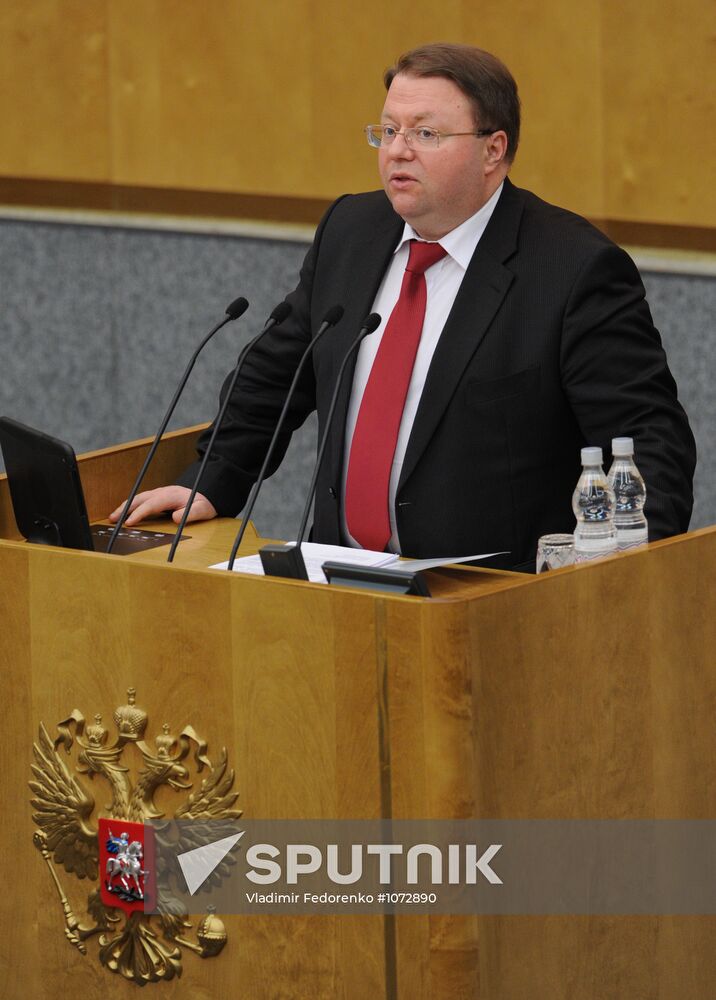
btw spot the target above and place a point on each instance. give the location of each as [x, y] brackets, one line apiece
[401, 180]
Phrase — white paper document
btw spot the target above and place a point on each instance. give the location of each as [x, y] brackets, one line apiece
[315, 555]
[416, 565]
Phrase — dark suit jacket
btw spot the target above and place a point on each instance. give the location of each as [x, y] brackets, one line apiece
[549, 346]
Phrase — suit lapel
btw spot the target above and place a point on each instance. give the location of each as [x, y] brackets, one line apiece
[480, 295]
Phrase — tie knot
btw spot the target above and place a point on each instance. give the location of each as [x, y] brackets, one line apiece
[423, 255]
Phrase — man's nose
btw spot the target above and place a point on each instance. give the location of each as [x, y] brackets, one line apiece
[399, 148]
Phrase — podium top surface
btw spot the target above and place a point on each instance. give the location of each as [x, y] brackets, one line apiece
[209, 542]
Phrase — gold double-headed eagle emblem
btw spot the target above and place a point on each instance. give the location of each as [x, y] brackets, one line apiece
[143, 948]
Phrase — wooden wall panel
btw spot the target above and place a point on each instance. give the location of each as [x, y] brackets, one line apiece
[269, 99]
[249, 97]
[53, 89]
[212, 96]
[659, 71]
[553, 49]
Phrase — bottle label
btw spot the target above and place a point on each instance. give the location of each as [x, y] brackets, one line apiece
[633, 539]
[587, 547]
[591, 555]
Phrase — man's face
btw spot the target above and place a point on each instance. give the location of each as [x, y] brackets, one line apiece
[437, 189]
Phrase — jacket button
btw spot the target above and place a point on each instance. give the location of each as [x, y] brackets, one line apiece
[331, 492]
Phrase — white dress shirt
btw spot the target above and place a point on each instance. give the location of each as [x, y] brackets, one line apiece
[443, 281]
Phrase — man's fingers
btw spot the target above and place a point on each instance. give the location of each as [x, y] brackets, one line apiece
[117, 512]
[201, 510]
[144, 510]
[153, 503]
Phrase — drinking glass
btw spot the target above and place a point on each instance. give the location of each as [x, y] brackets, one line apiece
[554, 551]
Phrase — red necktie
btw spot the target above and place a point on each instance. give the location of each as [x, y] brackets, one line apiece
[381, 409]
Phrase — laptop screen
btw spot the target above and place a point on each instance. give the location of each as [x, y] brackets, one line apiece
[45, 487]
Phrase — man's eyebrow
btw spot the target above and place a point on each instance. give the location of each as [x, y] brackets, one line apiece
[386, 116]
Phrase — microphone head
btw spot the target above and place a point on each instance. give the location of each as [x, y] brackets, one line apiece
[237, 308]
[281, 312]
[333, 316]
[372, 322]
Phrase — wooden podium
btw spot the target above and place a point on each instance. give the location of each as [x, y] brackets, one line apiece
[587, 693]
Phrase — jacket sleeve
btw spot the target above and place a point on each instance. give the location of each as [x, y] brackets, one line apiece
[616, 377]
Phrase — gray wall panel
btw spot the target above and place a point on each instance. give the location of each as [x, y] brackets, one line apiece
[98, 324]
[684, 310]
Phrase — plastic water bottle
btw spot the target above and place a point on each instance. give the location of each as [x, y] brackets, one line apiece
[593, 504]
[630, 493]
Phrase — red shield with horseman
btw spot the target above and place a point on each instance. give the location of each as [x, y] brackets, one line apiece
[126, 863]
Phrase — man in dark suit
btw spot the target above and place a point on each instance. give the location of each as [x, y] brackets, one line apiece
[533, 339]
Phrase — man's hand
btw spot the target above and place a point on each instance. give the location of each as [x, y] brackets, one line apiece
[153, 503]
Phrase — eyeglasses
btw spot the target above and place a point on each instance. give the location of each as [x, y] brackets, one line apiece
[421, 136]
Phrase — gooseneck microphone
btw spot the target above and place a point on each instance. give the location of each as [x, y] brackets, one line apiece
[237, 308]
[279, 314]
[332, 317]
[287, 560]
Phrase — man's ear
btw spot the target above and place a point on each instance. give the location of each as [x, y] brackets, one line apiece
[495, 150]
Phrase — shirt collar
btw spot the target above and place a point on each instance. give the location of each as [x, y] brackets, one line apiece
[460, 242]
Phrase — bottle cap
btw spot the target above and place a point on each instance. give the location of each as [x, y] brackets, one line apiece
[622, 447]
[592, 456]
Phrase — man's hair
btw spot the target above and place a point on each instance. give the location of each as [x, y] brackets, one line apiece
[482, 77]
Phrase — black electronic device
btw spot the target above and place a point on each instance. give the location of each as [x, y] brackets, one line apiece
[388, 578]
[47, 496]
